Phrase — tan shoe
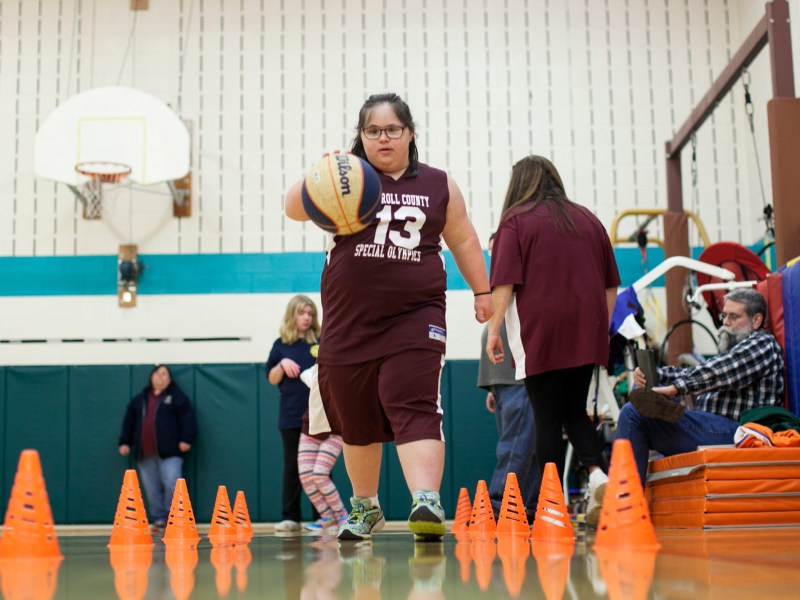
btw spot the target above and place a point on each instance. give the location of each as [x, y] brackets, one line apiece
[655, 406]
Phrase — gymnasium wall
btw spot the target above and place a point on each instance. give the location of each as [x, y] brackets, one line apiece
[268, 86]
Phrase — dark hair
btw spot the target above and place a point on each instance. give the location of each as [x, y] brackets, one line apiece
[403, 112]
[149, 387]
[535, 181]
[752, 301]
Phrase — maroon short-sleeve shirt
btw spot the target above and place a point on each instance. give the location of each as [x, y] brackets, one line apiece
[383, 288]
[558, 318]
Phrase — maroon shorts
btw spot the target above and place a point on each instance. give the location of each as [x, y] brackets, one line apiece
[391, 398]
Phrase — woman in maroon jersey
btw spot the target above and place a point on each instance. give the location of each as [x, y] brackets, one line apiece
[384, 332]
[554, 281]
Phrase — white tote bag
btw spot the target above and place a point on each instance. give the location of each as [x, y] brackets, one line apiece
[317, 420]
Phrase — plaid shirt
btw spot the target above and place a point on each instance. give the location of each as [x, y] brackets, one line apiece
[749, 375]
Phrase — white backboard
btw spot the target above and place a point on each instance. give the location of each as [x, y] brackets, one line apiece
[113, 124]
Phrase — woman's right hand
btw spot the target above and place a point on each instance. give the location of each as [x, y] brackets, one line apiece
[494, 348]
[124, 449]
[291, 368]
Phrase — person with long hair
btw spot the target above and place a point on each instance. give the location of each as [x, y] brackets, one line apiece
[159, 427]
[554, 281]
[384, 332]
[291, 354]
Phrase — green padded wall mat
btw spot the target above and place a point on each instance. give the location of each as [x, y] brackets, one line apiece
[72, 415]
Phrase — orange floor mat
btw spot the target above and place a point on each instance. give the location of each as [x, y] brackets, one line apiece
[726, 487]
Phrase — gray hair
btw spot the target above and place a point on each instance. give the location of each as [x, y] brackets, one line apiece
[753, 302]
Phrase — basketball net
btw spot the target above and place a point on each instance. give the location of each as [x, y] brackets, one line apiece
[99, 173]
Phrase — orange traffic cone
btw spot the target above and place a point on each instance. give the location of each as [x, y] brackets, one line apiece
[130, 564]
[241, 561]
[462, 552]
[181, 559]
[483, 551]
[552, 564]
[482, 522]
[513, 551]
[628, 575]
[181, 526]
[222, 559]
[130, 522]
[463, 512]
[29, 578]
[552, 520]
[222, 530]
[512, 519]
[241, 519]
[624, 518]
[28, 530]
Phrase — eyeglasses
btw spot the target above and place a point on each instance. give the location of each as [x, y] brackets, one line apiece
[393, 132]
[732, 317]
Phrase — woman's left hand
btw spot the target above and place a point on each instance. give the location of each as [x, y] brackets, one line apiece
[184, 447]
[483, 308]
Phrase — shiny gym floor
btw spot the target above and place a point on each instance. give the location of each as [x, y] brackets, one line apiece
[743, 563]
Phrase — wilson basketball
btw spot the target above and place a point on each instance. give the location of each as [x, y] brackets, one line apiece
[341, 193]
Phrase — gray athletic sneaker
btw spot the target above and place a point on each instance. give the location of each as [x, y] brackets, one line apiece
[426, 520]
[363, 520]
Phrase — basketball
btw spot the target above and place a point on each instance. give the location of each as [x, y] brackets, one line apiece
[341, 193]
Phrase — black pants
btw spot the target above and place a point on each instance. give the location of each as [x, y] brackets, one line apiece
[559, 400]
[290, 506]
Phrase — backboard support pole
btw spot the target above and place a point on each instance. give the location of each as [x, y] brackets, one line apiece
[181, 189]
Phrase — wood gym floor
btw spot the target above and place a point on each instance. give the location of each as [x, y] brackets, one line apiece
[743, 563]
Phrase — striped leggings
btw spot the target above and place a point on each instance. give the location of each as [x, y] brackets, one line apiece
[315, 459]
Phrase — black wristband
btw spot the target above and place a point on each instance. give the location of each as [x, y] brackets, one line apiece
[482, 294]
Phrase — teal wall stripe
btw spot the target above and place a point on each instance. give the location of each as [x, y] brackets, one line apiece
[290, 272]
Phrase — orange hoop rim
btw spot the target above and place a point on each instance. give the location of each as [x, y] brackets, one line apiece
[106, 172]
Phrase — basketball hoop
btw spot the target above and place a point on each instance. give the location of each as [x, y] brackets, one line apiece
[99, 173]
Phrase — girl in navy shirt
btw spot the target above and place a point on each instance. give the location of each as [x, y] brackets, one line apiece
[292, 353]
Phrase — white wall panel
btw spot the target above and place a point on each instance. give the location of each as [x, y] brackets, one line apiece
[599, 86]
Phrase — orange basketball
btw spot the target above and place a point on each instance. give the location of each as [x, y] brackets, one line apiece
[341, 193]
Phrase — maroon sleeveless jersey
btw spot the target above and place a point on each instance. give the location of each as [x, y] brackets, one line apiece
[383, 287]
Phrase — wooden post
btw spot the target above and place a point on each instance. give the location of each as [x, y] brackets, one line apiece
[783, 120]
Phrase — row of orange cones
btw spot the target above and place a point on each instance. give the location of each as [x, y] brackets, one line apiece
[29, 539]
[624, 517]
[227, 526]
[28, 530]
